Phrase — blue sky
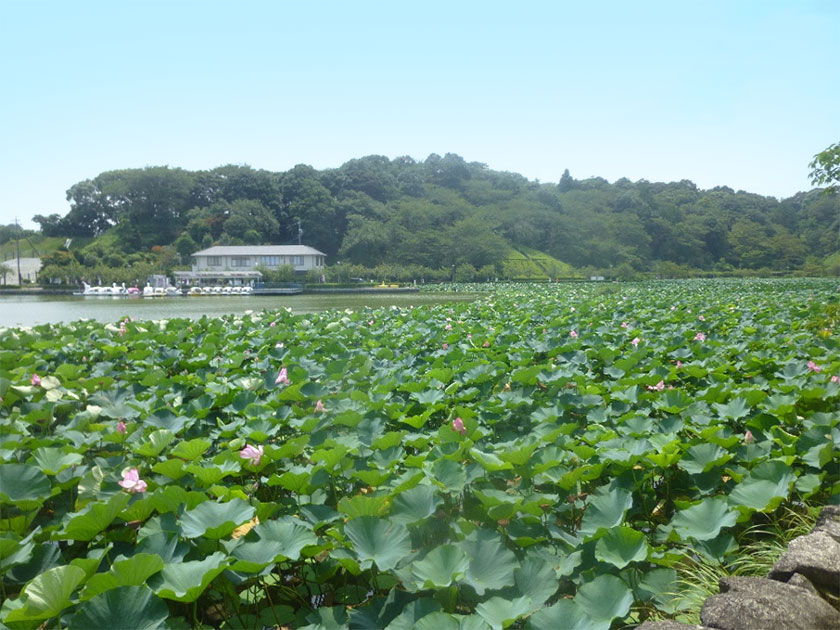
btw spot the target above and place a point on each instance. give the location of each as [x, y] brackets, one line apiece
[739, 93]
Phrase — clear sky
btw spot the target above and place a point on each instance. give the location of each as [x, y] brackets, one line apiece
[739, 93]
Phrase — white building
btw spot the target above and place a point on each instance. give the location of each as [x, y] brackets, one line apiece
[250, 257]
[29, 268]
[237, 264]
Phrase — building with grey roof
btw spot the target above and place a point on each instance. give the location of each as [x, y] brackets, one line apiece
[240, 264]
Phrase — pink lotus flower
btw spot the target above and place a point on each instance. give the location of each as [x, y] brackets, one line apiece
[658, 387]
[254, 453]
[835, 379]
[624, 324]
[679, 364]
[701, 318]
[748, 437]
[458, 425]
[573, 335]
[35, 380]
[486, 344]
[282, 377]
[131, 481]
[448, 327]
[635, 341]
[813, 367]
[699, 337]
[446, 346]
[278, 345]
[319, 407]
[370, 323]
[272, 324]
[573, 309]
[121, 427]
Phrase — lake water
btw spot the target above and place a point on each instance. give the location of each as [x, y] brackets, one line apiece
[30, 310]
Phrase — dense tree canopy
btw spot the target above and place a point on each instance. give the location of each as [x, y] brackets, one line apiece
[444, 211]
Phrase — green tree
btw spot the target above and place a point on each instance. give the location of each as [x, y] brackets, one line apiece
[750, 244]
[185, 245]
[825, 168]
[248, 214]
[567, 182]
[51, 225]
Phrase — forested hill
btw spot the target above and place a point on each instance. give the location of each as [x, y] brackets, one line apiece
[443, 211]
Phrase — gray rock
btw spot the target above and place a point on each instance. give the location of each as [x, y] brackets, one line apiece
[758, 604]
[797, 579]
[670, 625]
[816, 556]
[829, 521]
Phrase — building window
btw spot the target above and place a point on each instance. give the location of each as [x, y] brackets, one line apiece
[240, 261]
[270, 261]
[214, 261]
[297, 261]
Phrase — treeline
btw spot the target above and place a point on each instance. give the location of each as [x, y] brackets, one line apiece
[444, 211]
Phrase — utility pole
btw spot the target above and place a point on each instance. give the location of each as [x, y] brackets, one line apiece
[300, 232]
[17, 242]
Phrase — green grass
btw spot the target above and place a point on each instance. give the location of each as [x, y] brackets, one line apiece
[42, 245]
[760, 547]
[530, 263]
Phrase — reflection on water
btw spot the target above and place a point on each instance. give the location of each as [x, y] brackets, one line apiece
[30, 310]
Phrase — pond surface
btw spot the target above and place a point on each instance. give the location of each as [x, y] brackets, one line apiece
[30, 310]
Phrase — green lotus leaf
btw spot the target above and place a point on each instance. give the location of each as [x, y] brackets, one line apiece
[767, 485]
[499, 612]
[808, 485]
[620, 546]
[414, 612]
[489, 461]
[606, 508]
[702, 458]
[53, 460]
[816, 447]
[473, 622]
[379, 541]
[46, 595]
[734, 409]
[703, 520]
[361, 505]
[449, 474]
[158, 440]
[22, 483]
[327, 618]
[14, 550]
[491, 564]
[93, 518]
[186, 581]
[215, 520]
[272, 541]
[441, 567]
[605, 598]
[566, 614]
[436, 620]
[191, 450]
[166, 545]
[319, 515]
[133, 571]
[660, 586]
[125, 608]
[536, 579]
[414, 505]
[172, 468]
